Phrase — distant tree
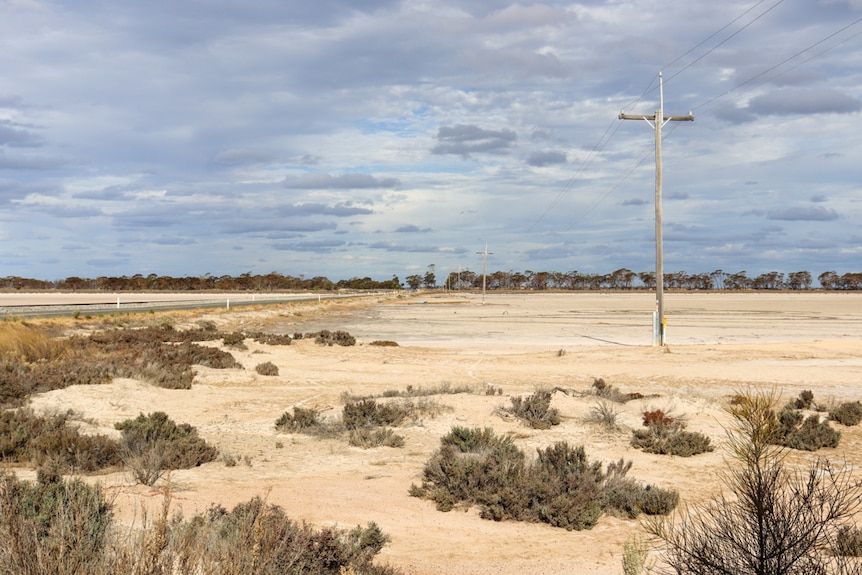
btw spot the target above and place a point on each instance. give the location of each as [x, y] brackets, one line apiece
[799, 280]
[414, 281]
[647, 279]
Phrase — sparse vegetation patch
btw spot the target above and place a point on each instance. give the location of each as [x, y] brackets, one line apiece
[560, 487]
[666, 435]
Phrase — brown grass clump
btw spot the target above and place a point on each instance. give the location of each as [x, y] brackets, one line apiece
[29, 343]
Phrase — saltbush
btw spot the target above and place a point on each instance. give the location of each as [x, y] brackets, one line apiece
[266, 368]
[560, 487]
[848, 542]
[848, 413]
[535, 409]
[369, 413]
[666, 435]
[796, 431]
[153, 443]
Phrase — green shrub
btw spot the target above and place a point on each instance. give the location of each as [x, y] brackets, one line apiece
[535, 410]
[807, 434]
[560, 487]
[384, 343]
[152, 444]
[848, 413]
[666, 435]
[266, 368]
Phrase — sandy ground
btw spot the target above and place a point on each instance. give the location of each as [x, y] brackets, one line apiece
[718, 344]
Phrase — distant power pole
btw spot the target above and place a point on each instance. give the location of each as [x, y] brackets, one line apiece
[657, 121]
[485, 255]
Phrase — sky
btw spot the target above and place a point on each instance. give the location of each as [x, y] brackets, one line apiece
[372, 138]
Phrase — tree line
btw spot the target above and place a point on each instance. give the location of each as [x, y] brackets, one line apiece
[621, 279]
[625, 279]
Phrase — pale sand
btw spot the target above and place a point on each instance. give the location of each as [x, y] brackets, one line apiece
[719, 343]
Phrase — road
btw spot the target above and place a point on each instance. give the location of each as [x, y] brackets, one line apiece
[54, 304]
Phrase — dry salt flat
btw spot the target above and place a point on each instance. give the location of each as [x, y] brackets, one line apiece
[718, 344]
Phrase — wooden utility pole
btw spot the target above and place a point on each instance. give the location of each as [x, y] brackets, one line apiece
[657, 121]
[484, 255]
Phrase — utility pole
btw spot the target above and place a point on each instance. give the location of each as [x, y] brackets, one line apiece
[657, 121]
[485, 255]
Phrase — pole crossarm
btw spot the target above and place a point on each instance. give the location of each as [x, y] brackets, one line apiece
[657, 121]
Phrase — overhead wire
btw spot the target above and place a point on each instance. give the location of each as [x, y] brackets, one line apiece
[612, 128]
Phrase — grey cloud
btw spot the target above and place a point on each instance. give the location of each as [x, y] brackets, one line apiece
[464, 140]
[634, 202]
[803, 213]
[804, 101]
[323, 246]
[15, 136]
[173, 241]
[354, 181]
[676, 196]
[243, 156]
[409, 229]
[539, 159]
[250, 226]
[396, 247]
[818, 198]
[338, 210]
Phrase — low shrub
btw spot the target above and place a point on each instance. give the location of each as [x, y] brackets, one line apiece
[367, 438]
[848, 413]
[796, 431]
[560, 487]
[301, 419]
[234, 339]
[44, 440]
[804, 401]
[666, 435]
[152, 444]
[369, 413]
[66, 527]
[326, 337]
[271, 338]
[384, 343]
[606, 391]
[535, 410]
[57, 527]
[603, 414]
[266, 368]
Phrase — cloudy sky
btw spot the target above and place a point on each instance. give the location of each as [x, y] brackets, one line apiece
[376, 137]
